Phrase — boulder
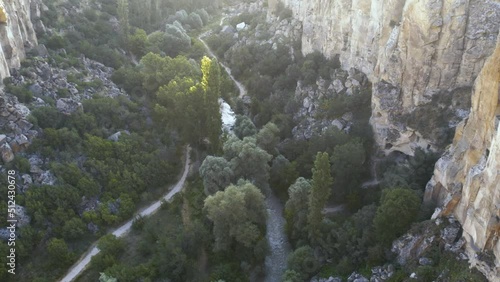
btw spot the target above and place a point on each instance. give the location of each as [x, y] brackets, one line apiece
[68, 106]
[356, 277]
[228, 29]
[22, 110]
[41, 50]
[26, 179]
[45, 72]
[115, 137]
[424, 261]
[36, 89]
[6, 152]
[338, 86]
[241, 26]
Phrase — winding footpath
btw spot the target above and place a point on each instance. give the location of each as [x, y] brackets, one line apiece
[84, 261]
[276, 260]
[240, 86]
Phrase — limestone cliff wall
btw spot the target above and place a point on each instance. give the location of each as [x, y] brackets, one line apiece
[466, 180]
[16, 33]
[414, 51]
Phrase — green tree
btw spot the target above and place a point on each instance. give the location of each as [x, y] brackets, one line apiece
[110, 244]
[347, 169]
[320, 192]
[283, 174]
[216, 173]
[244, 127]
[211, 85]
[59, 253]
[105, 278]
[123, 15]
[73, 228]
[302, 261]
[159, 71]
[238, 215]
[297, 209]
[138, 42]
[397, 211]
[268, 137]
[248, 161]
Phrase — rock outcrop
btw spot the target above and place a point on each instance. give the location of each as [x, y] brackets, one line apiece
[466, 181]
[16, 33]
[413, 51]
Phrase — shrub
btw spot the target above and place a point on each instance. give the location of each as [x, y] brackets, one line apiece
[21, 92]
[56, 42]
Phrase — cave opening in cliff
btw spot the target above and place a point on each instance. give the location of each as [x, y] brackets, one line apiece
[3, 16]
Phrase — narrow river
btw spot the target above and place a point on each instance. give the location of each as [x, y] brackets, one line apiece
[279, 247]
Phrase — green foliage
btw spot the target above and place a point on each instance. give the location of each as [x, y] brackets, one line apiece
[238, 215]
[138, 42]
[397, 201]
[56, 42]
[302, 261]
[297, 209]
[123, 17]
[244, 127]
[21, 164]
[192, 109]
[73, 229]
[59, 253]
[159, 71]
[110, 244]
[320, 192]
[283, 174]
[130, 79]
[46, 117]
[21, 92]
[413, 173]
[177, 39]
[348, 169]
[268, 137]
[216, 173]
[248, 161]
[292, 276]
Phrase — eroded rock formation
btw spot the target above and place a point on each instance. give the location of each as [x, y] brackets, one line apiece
[415, 52]
[466, 180]
[16, 33]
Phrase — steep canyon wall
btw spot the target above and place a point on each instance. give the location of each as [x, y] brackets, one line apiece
[414, 51]
[425, 58]
[466, 181]
[16, 33]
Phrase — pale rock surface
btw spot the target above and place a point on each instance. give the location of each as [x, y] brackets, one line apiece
[16, 33]
[466, 179]
[416, 48]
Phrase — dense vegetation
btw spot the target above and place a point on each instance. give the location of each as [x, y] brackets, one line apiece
[98, 182]
[215, 230]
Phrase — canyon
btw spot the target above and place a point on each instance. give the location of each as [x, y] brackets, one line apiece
[17, 33]
[425, 60]
[435, 70]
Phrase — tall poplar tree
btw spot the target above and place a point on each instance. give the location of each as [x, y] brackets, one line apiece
[211, 85]
[320, 192]
[123, 16]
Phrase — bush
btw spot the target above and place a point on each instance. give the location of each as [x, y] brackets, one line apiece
[396, 201]
[56, 42]
[21, 164]
[21, 92]
[302, 260]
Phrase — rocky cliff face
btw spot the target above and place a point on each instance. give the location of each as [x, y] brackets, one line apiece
[466, 180]
[414, 51]
[16, 32]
